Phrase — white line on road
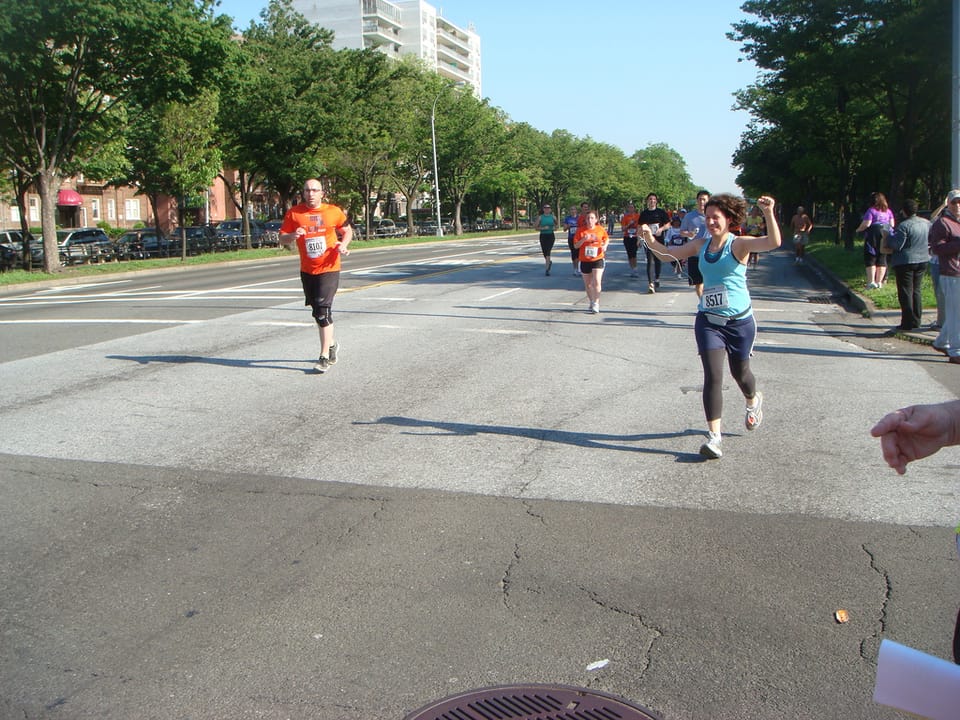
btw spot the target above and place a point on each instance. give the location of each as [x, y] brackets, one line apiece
[499, 294]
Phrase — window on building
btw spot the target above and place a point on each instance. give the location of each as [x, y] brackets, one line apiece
[15, 214]
[111, 209]
[131, 208]
[95, 210]
[34, 205]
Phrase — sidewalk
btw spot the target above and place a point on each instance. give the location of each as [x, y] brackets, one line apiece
[862, 304]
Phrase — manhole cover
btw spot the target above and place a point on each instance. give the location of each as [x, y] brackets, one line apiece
[533, 702]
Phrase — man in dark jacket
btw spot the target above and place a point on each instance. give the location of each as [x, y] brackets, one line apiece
[909, 261]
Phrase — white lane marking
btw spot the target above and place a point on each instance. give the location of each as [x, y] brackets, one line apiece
[64, 288]
[499, 294]
[101, 321]
[494, 331]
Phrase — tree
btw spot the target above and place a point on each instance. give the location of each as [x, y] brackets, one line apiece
[413, 95]
[66, 67]
[868, 128]
[362, 151]
[469, 136]
[665, 171]
[278, 103]
[187, 133]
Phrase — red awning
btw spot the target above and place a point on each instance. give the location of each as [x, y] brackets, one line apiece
[69, 198]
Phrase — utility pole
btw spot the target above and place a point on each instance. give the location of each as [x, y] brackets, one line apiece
[955, 91]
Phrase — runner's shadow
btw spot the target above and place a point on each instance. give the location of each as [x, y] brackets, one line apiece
[226, 362]
[600, 441]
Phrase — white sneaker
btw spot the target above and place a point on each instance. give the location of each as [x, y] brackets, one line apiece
[711, 448]
[754, 413]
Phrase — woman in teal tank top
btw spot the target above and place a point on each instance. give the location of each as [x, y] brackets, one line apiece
[725, 327]
[547, 225]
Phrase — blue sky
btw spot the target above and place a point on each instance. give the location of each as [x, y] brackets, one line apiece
[624, 72]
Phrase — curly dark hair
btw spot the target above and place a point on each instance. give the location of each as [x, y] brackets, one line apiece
[735, 208]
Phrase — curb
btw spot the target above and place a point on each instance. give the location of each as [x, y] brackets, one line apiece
[862, 304]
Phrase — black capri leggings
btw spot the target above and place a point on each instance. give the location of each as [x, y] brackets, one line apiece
[712, 361]
[546, 243]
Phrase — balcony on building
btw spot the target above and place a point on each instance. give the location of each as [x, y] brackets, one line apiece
[384, 15]
[452, 37]
[381, 26]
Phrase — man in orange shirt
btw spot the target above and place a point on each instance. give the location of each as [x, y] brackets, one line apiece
[631, 229]
[322, 235]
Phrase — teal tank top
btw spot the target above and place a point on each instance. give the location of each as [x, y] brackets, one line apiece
[725, 290]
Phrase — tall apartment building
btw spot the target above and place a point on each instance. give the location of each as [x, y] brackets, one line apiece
[401, 27]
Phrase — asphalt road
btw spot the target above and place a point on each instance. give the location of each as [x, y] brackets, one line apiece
[491, 487]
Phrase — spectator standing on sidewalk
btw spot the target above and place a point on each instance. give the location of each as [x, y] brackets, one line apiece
[909, 260]
[935, 274]
[944, 240]
[800, 225]
[876, 220]
[658, 221]
[322, 235]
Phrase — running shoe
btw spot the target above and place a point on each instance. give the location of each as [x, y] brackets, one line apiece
[755, 413]
[334, 349]
[711, 448]
[650, 289]
[321, 365]
[595, 307]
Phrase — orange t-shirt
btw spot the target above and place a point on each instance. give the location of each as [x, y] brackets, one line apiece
[595, 241]
[318, 248]
[631, 224]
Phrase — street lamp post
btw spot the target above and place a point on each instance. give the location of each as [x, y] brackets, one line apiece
[436, 176]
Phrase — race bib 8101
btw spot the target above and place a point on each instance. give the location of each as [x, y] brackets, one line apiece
[316, 246]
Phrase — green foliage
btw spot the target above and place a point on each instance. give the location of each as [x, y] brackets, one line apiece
[67, 68]
[854, 98]
[279, 103]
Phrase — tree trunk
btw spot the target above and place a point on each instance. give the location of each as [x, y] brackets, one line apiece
[48, 185]
[20, 185]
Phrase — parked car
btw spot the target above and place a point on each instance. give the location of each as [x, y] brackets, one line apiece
[200, 239]
[271, 233]
[230, 234]
[145, 243]
[11, 249]
[385, 227]
[82, 245]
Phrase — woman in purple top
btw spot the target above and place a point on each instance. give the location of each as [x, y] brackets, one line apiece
[877, 221]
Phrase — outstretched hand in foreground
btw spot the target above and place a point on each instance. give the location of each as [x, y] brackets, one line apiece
[916, 432]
